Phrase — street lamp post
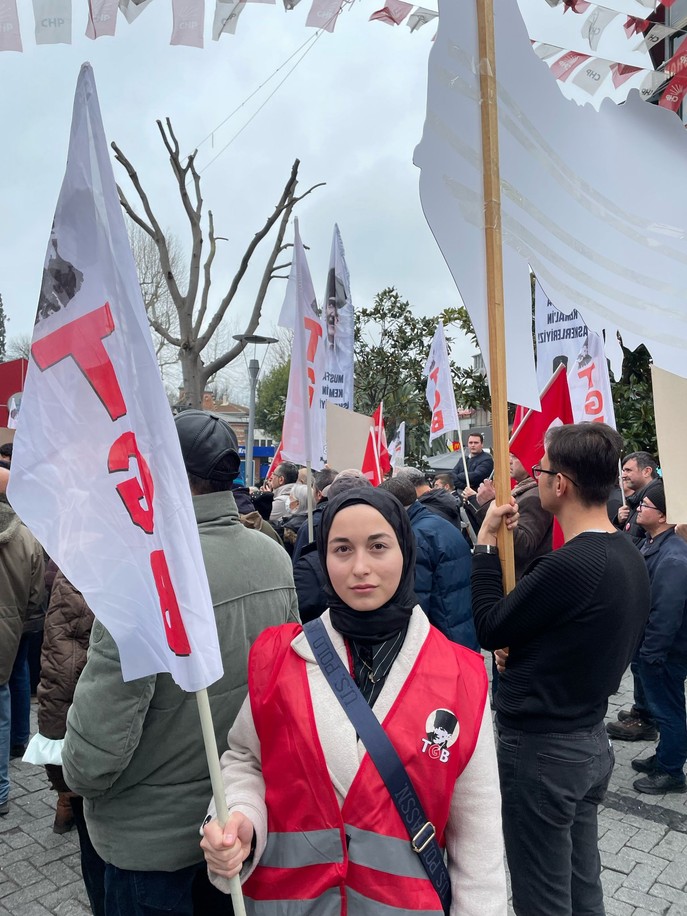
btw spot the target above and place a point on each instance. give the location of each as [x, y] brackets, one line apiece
[253, 372]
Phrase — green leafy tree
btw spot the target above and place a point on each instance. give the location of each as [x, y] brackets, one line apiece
[391, 348]
[633, 401]
[270, 402]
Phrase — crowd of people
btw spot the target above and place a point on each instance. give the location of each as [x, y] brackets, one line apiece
[365, 768]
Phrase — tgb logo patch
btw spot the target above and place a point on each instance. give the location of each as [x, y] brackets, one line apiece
[442, 731]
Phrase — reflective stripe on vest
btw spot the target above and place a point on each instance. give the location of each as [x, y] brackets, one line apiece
[295, 850]
[383, 853]
[321, 847]
[363, 906]
[327, 904]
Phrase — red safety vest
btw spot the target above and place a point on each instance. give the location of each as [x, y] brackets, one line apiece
[323, 859]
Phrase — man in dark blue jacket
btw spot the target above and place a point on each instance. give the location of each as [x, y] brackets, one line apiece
[662, 666]
[480, 464]
[442, 567]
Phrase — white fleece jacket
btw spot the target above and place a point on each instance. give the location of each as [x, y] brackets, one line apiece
[474, 841]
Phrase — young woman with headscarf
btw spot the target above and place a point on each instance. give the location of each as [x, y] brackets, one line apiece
[312, 828]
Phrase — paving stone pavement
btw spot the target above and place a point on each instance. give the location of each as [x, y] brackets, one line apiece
[642, 838]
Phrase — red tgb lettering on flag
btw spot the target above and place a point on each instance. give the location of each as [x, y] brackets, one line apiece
[440, 395]
[82, 341]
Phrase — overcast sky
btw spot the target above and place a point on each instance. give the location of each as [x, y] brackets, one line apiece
[352, 112]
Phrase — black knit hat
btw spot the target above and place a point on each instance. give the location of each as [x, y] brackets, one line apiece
[655, 493]
[209, 446]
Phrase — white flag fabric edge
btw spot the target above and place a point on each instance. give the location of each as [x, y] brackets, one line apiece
[304, 428]
[97, 471]
[590, 384]
[440, 394]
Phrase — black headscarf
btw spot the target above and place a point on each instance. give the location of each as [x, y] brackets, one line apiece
[392, 617]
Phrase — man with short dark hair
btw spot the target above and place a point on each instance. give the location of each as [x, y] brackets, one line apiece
[443, 481]
[134, 749]
[572, 624]
[437, 500]
[638, 470]
[480, 464]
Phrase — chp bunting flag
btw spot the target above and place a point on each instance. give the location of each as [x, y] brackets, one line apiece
[97, 471]
[589, 384]
[188, 21]
[102, 18]
[440, 394]
[527, 441]
[393, 13]
[337, 329]
[323, 14]
[10, 36]
[53, 21]
[303, 432]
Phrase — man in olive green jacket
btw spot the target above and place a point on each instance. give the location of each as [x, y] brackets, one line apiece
[134, 750]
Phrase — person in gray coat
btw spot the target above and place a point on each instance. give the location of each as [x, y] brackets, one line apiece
[134, 749]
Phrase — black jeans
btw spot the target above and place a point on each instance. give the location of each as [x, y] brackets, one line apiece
[552, 785]
[186, 892]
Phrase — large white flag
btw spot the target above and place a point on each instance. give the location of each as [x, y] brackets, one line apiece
[337, 326]
[303, 433]
[590, 384]
[440, 394]
[97, 472]
[572, 207]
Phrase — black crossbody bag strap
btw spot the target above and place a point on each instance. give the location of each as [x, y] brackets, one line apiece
[421, 832]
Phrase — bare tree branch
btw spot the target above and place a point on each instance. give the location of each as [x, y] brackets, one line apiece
[177, 318]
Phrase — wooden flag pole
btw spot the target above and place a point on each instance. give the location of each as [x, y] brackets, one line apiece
[212, 755]
[494, 264]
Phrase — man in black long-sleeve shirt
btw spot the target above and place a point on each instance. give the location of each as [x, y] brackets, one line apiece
[572, 625]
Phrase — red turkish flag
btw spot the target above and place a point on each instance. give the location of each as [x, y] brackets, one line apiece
[527, 441]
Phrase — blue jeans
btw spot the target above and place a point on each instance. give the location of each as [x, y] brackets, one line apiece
[664, 689]
[639, 701]
[5, 714]
[551, 785]
[20, 692]
[149, 893]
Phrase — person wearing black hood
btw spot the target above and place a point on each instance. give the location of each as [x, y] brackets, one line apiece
[438, 500]
[311, 824]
